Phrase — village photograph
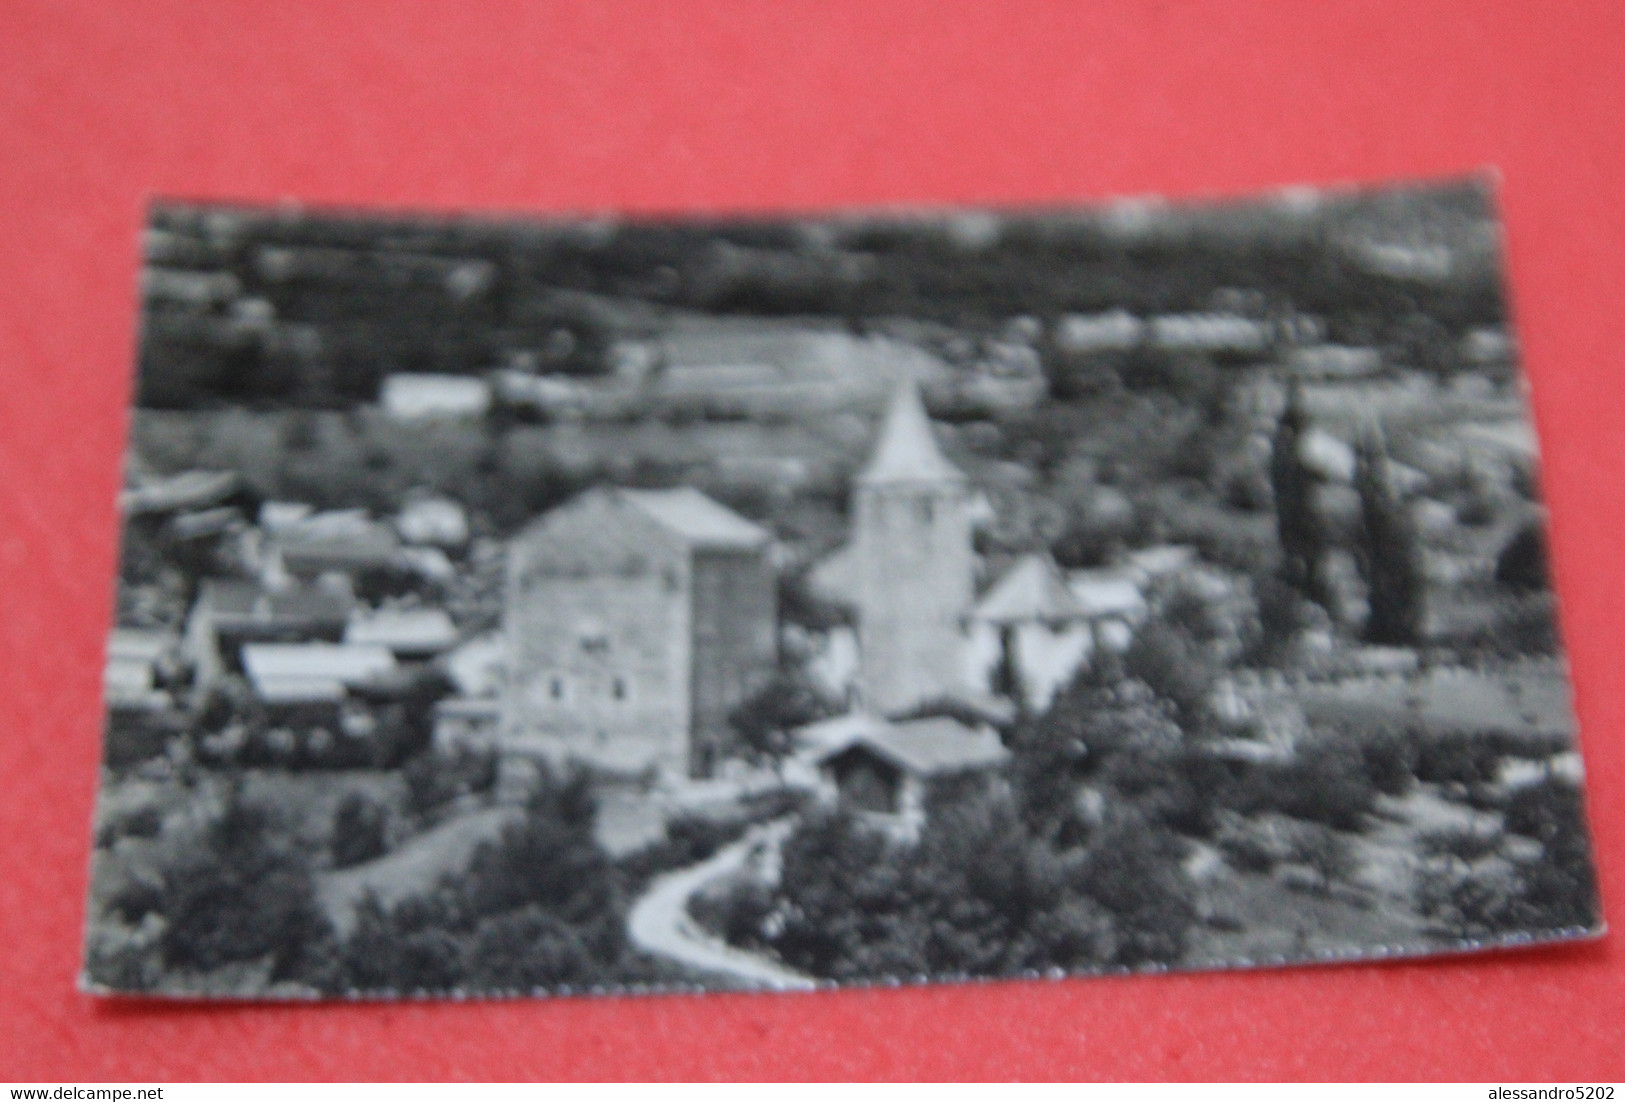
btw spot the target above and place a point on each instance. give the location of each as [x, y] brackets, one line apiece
[515, 607]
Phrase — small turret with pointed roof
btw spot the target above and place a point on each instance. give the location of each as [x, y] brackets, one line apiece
[908, 452]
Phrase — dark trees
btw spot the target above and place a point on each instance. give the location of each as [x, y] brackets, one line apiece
[1302, 537]
[242, 894]
[358, 830]
[977, 896]
[765, 722]
[1391, 552]
[1522, 563]
[542, 906]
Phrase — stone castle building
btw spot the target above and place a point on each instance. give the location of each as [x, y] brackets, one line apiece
[635, 622]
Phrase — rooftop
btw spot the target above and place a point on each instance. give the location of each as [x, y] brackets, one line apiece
[925, 747]
[696, 518]
[229, 599]
[907, 451]
[273, 666]
[1105, 593]
[417, 629]
[187, 490]
[1032, 589]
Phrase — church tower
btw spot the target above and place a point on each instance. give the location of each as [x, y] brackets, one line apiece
[915, 577]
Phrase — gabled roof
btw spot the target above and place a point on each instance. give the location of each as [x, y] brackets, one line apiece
[417, 629]
[138, 644]
[271, 665]
[300, 690]
[696, 519]
[187, 490]
[907, 452]
[232, 600]
[924, 747]
[1032, 589]
[1106, 593]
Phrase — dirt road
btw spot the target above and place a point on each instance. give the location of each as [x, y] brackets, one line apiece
[659, 922]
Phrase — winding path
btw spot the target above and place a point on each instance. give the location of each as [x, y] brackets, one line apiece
[659, 922]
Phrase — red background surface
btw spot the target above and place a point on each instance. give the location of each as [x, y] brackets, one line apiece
[544, 107]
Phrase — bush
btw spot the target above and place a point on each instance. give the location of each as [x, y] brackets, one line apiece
[1327, 852]
[435, 778]
[1327, 783]
[359, 828]
[549, 859]
[1282, 616]
[1468, 901]
[1473, 758]
[979, 895]
[1171, 663]
[1561, 889]
[528, 950]
[1099, 717]
[390, 952]
[1390, 760]
[242, 894]
[1261, 843]
[739, 915]
[542, 906]
[1133, 872]
[1474, 895]
[1177, 787]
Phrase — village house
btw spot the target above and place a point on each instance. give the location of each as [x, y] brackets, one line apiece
[229, 613]
[340, 541]
[884, 771]
[636, 621]
[1028, 634]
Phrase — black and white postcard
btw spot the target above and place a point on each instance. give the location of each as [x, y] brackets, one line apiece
[559, 606]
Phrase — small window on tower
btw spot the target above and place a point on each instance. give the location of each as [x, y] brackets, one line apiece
[620, 690]
[928, 510]
[550, 690]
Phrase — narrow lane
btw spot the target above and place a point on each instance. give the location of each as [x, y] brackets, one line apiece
[659, 922]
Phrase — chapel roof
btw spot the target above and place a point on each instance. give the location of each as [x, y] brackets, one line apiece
[907, 452]
[1032, 589]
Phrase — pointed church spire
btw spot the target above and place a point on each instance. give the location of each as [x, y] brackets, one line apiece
[907, 451]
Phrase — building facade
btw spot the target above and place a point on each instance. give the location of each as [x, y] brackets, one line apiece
[635, 622]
